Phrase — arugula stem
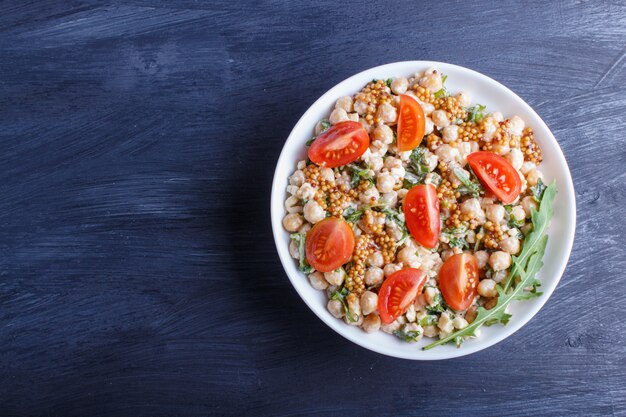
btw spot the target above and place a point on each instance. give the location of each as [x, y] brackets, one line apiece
[526, 266]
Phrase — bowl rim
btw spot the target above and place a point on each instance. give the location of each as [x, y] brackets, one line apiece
[338, 325]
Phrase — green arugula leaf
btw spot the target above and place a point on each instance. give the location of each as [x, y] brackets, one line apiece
[528, 295]
[475, 113]
[300, 239]
[525, 266]
[540, 220]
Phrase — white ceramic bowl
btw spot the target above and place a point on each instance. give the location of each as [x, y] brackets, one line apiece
[496, 97]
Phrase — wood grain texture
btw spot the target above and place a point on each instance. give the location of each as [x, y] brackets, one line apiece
[139, 275]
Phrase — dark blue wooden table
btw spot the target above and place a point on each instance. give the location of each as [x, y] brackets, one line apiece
[138, 273]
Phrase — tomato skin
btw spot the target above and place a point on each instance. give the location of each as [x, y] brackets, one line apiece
[411, 124]
[458, 280]
[484, 164]
[329, 244]
[343, 143]
[421, 213]
[398, 292]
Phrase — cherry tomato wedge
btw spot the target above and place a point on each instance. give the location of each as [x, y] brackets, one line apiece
[496, 174]
[343, 143]
[329, 244]
[458, 280]
[421, 213]
[398, 292]
[411, 124]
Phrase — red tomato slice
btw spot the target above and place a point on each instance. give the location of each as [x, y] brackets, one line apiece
[496, 174]
[458, 280]
[421, 213]
[398, 292]
[343, 143]
[329, 244]
[411, 124]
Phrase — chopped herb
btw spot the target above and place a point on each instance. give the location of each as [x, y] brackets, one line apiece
[358, 173]
[300, 239]
[398, 218]
[458, 242]
[433, 178]
[469, 186]
[352, 216]
[388, 82]
[340, 295]
[512, 223]
[442, 92]
[407, 184]
[410, 180]
[417, 167]
[518, 233]
[395, 216]
[475, 113]
[407, 336]
[325, 126]
[538, 190]
[439, 305]
[525, 267]
[456, 236]
[529, 294]
[428, 320]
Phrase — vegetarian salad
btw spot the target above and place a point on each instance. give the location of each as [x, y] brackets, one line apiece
[419, 213]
